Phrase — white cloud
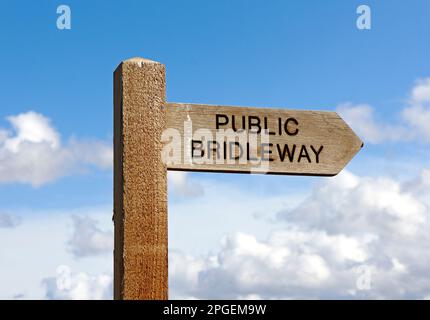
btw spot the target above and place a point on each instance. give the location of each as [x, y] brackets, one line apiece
[184, 270]
[412, 124]
[31, 127]
[78, 286]
[89, 240]
[346, 223]
[225, 208]
[419, 186]
[351, 204]
[418, 117]
[32, 152]
[421, 91]
[180, 184]
[93, 152]
[314, 250]
[417, 114]
[39, 244]
[398, 266]
[290, 263]
[362, 120]
[8, 220]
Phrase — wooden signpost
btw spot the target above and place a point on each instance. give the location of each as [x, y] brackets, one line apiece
[152, 136]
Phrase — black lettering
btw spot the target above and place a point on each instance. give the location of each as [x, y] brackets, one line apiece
[291, 133]
[304, 154]
[233, 123]
[232, 151]
[214, 149]
[317, 153]
[286, 151]
[248, 156]
[267, 129]
[254, 121]
[265, 151]
[218, 122]
[202, 152]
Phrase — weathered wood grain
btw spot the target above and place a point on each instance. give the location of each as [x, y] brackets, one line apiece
[311, 129]
[140, 181]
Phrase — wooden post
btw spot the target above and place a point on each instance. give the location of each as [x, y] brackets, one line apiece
[140, 181]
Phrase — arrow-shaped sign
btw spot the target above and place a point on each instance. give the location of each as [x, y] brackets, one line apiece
[261, 140]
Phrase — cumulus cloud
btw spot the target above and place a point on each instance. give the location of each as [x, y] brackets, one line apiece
[180, 184]
[362, 120]
[34, 249]
[353, 204]
[92, 152]
[412, 123]
[325, 246]
[32, 152]
[67, 285]
[419, 186]
[8, 220]
[417, 114]
[421, 92]
[291, 263]
[347, 229]
[88, 239]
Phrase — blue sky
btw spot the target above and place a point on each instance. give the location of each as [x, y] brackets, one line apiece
[292, 54]
[298, 54]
